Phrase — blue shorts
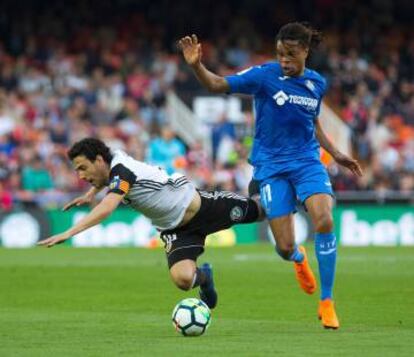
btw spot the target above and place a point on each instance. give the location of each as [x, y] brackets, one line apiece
[282, 186]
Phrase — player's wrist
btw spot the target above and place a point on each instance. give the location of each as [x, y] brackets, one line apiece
[90, 195]
[196, 66]
[66, 235]
[336, 154]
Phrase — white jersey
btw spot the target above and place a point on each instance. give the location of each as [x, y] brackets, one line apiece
[150, 190]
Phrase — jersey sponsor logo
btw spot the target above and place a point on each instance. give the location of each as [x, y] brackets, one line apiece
[236, 214]
[281, 98]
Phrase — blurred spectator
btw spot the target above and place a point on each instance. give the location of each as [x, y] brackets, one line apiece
[109, 76]
[6, 198]
[36, 177]
[223, 135]
[138, 82]
[166, 150]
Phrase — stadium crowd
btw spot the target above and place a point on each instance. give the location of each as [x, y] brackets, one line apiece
[62, 82]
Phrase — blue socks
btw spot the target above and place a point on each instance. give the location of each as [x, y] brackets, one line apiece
[325, 249]
[295, 256]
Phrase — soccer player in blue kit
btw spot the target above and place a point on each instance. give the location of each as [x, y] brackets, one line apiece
[285, 154]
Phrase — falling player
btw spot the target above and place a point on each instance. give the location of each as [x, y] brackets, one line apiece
[183, 214]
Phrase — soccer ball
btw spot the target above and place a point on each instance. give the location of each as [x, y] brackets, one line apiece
[191, 317]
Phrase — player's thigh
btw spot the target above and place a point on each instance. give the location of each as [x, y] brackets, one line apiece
[283, 230]
[278, 197]
[181, 245]
[309, 179]
[319, 207]
[222, 209]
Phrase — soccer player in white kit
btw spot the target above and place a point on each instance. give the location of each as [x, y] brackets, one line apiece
[183, 214]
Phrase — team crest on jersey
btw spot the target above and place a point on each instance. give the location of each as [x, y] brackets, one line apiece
[114, 183]
[310, 85]
[236, 214]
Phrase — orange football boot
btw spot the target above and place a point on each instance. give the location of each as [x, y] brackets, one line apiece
[304, 274]
[327, 314]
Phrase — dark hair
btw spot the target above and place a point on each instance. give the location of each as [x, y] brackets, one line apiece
[300, 31]
[90, 148]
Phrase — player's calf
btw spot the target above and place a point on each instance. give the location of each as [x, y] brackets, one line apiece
[186, 275]
[183, 274]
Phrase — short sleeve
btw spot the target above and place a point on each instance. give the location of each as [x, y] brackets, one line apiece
[323, 91]
[121, 179]
[318, 108]
[248, 81]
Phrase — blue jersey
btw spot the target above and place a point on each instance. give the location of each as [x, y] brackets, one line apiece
[286, 109]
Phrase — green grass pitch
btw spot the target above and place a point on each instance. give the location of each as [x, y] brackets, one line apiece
[118, 302]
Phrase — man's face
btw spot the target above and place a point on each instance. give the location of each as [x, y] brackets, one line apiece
[167, 134]
[291, 56]
[96, 173]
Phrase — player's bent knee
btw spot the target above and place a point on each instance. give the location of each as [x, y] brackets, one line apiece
[184, 282]
[324, 224]
[182, 276]
[285, 250]
[284, 254]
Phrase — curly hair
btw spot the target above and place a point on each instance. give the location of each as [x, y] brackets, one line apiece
[90, 148]
[302, 32]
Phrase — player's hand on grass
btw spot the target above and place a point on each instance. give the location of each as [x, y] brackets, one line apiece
[191, 49]
[85, 199]
[349, 162]
[56, 239]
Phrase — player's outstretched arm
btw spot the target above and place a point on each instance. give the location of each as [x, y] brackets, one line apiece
[98, 214]
[87, 198]
[192, 53]
[340, 158]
